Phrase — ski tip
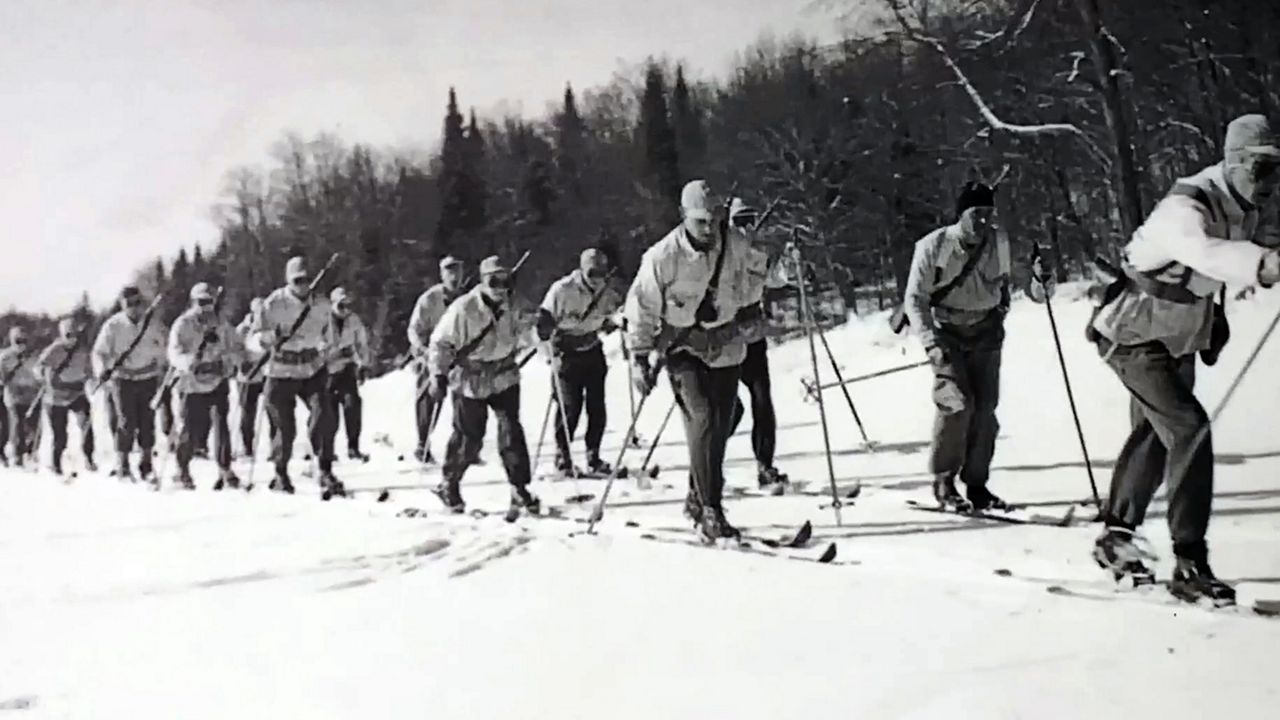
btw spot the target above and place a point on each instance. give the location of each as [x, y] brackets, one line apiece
[1004, 572]
[384, 496]
[653, 472]
[828, 555]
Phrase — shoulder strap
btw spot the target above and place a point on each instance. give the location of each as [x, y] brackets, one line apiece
[939, 294]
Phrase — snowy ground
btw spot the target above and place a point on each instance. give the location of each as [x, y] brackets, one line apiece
[115, 602]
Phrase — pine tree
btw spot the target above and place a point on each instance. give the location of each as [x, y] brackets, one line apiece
[477, 194]
[691, 140]
[570, 141]
[179, 285]
[661, 162]
[452, 179]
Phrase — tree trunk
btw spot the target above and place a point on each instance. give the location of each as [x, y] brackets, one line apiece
[1105, 64]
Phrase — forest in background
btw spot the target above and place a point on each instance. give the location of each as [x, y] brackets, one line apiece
[1085, 111]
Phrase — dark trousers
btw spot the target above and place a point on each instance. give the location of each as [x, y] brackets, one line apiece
[166, 414]
[58, 424]
[345, 404]
[764, 424]
[706, 397]
[579, 383]
[198, 414]
[469, 418]
[1170, 442]
[964, 437]
[22, 432]
[4, 427]
[282, 394]
[425, 407]
[247, 398]
[129, 404]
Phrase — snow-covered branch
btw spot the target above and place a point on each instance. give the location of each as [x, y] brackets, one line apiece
[1018, 23]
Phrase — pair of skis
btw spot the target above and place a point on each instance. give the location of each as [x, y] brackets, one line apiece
[1012, 516]
[1156, 594]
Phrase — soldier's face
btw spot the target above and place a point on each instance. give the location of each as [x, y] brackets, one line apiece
[699, 226]
[133, 307]
[1254, 175]
[497, 285]
[451, 276]
[979, 224]
[205, 307]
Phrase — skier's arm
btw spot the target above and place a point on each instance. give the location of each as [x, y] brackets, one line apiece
[1175, 230]
[643, 310]
[363, 359]
[446, 338]
[103, 352]
[419, 331]
[233, 347]
[181, 347]
[919, 288]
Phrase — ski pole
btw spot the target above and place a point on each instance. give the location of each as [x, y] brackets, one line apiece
[813, 359]
[1066, 380]
[598, 512]
[631, 390]
[836, 369]
[1231, 389]
[258, 411]
[542, 434]
[812, 389]
[653, 446]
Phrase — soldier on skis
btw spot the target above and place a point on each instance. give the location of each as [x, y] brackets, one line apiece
[64, 368]
[204, 352]
[684, 304]
[472, 356]
[1155, 317]
[131, 347]
[956, 298]
[349, 362]
[427, 312]
[296, 370]
[21, 382]
[575, 310]
[755, 366]
[248, 387]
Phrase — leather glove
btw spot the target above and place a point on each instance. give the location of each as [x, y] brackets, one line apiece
[1042, 281]
[362, 374]
[608, 326]
[937, 356]
[438, 386]
[642, 375]
[211, 336]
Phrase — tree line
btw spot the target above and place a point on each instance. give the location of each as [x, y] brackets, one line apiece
[1083, 111]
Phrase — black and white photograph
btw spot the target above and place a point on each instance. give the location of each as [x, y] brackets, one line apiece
[569, 359]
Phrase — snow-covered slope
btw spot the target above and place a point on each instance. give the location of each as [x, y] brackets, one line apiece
[115, 602]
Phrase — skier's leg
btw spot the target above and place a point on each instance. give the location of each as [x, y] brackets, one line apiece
[951, 422]
[512, 447]
[764, 423]
[982, 367]
[424, 408]
[219, 409]
[469, 416]
[562, 392]
[280, 394]
[352, 407]
[693, 393]
[722, 386]
[594, 375]
[57, 416]
[321, 422]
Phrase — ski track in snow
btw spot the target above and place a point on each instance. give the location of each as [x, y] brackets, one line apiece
[120, 602]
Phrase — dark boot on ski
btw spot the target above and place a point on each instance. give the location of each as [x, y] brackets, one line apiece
[523, 501]
[1115, 550]
[355, 454]
[281, 482]
[692, 507]
[183, 481]
[121, 470]
[564, 466]
[770, 479]
[423, 455]
[983, 500]
[948, 498]
[331, 486]
[226, 479]
[596, 466]
[1193, 580]
[89, 464]
[450, 496]
[713, 526]
[56, 466]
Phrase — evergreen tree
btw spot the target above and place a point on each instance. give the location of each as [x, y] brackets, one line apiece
[452, 179]
[570, 142]
[691, 140]
[477, 194]
[660, 159]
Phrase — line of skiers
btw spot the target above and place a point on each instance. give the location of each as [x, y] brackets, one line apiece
[695, 309]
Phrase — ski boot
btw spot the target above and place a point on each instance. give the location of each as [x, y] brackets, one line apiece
[1193, 581]
[121, 471]
[564, 466]
[55, 466]
[983, 499]
[944, 491]
[4, 459]
[1115, 550]
[331, 486]
[596, 466]
[523, 500]
[769, 478]
[692, 507]
[423, 455]
[183, 481]
[355, 454]
[227, 479]
[281, 482]
[714, 526]
[89, 464]
[449, 494]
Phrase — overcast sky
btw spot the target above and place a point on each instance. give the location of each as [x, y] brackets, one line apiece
[121, 119]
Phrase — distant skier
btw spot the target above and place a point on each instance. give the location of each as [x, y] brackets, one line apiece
[427, 312]
[349, 362]
[684, 303]
[472, 354]
[296, 370]
[248, 387]
[204, 352]
[755, 366]
[135, 381]
[64, 368]
[575, 310]
[956, 298]
[21, 381]
[1157, 315]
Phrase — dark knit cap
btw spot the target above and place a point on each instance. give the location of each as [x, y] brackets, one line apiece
[975, 194]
